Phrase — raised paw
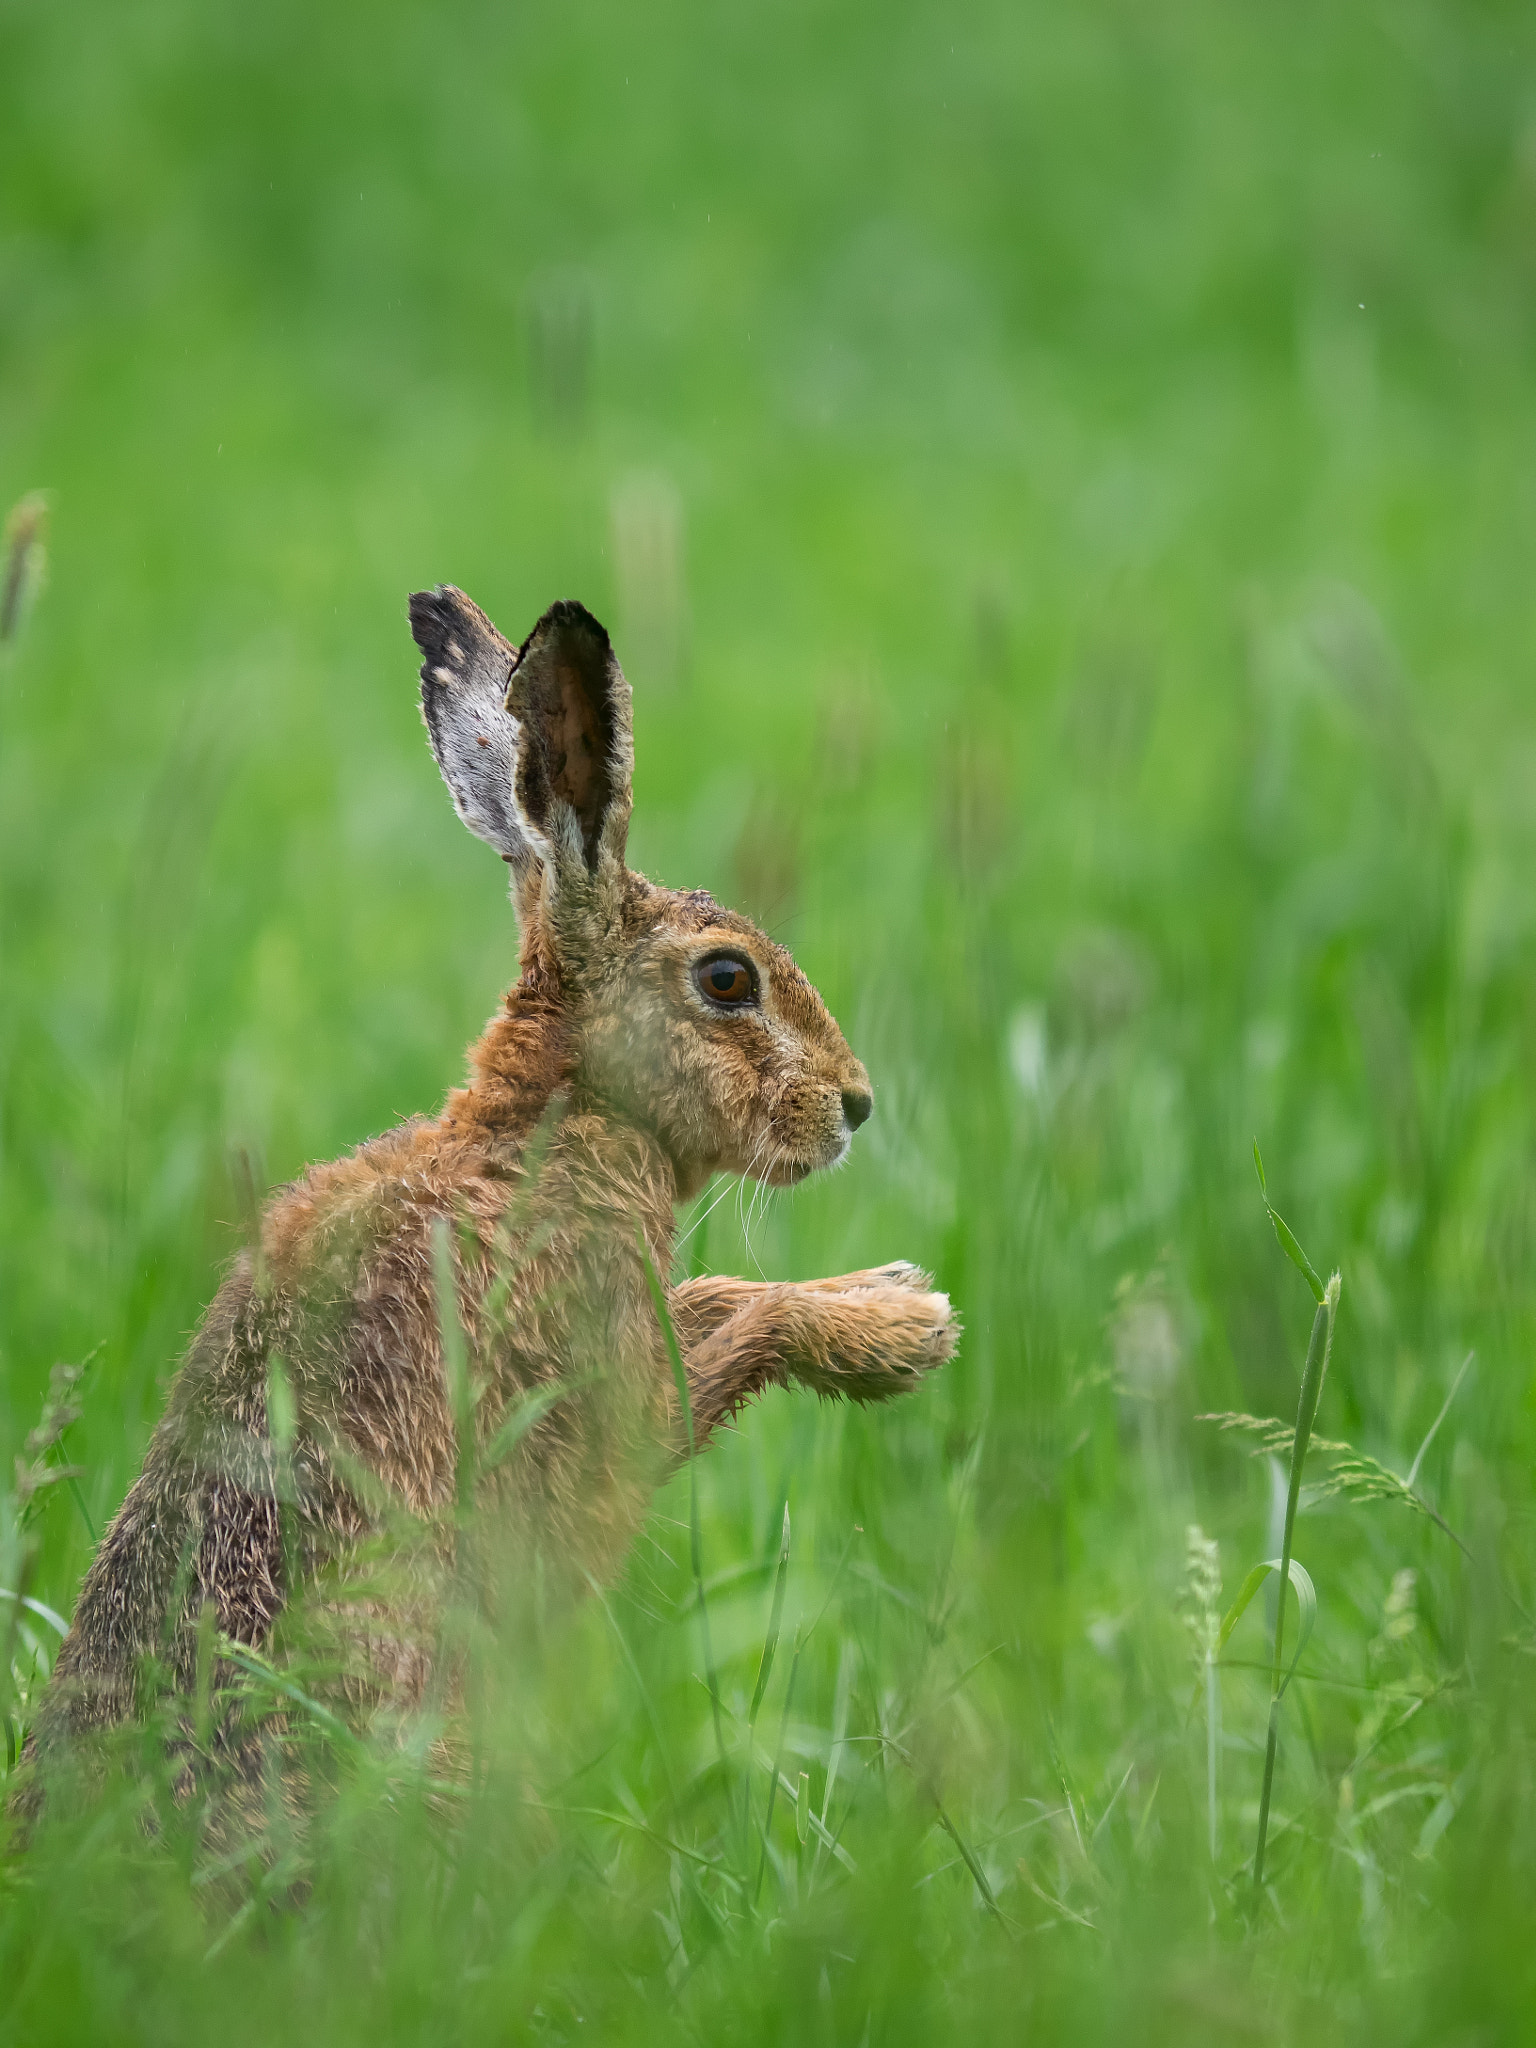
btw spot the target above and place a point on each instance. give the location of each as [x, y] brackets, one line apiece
[938, 1332]
[879, 1338]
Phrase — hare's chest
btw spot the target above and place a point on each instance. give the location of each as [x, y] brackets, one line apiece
[633, 1346]
[584, 1311]
[582, 1297]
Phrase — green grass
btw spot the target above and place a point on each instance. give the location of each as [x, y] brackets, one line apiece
[1060, 479]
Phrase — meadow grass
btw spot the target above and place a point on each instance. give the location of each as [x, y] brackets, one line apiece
[1058, 478]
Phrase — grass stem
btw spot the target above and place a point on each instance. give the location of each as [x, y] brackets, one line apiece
[1313, 1375]
[695, 1543]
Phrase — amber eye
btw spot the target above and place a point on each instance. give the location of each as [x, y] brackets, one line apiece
[726, 981]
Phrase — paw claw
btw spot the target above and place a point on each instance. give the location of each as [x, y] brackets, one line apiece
[899, 1273]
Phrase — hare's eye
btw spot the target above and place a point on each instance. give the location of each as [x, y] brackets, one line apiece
[726, 981]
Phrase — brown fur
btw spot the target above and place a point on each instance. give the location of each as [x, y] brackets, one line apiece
[605, 1091]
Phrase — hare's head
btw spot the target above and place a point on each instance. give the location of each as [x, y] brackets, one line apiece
[683, 1017]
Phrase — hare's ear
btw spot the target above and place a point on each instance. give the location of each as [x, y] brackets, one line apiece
[575, 756]
[464, 669]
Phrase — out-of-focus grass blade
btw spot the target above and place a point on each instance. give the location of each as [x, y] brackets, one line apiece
[695, 1542]
[1445, 1409]
[817, 1827]
[1306, 1603]
[674, 1355]
[643, 1827]
[525, 1413]
[254, 1665]
[1287, 1236]
[641, 1687]
[776, 1616]
[39, 1608]
[971, 1861]
[455, 1360]
[765, 1672]
[839, 1726]
[778, 1764]
[1313, 1374]
[25, 534]
[282, 1408]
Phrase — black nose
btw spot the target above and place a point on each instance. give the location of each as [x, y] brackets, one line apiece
[857, 1105]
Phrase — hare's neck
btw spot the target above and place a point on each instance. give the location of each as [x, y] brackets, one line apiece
[612, 1175]
[519, 1061]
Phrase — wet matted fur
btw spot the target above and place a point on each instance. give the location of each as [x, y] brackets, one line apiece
[652, 1039]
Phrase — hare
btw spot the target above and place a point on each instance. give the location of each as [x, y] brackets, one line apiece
[652, 1039]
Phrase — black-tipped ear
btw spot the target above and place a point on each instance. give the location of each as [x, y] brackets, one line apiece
[575, 753]
[464, 670]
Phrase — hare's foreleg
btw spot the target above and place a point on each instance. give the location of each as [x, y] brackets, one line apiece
[699, 1307]
[864, 1336]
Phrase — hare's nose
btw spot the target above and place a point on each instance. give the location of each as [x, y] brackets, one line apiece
[858, 1103]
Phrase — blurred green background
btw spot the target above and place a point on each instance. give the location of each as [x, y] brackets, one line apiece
[1060, 479]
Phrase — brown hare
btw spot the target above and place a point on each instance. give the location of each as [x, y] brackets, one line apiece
[652, 1039]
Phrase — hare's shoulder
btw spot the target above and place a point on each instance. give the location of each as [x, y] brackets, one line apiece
[339, 1219]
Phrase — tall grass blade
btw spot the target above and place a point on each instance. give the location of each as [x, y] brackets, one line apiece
[971, 1861]
[25, 554]
[778, 1763]
[776, 1616]
[1313, 1375]
[840, 1700]
[1432, 1431]
[1287, 1237]
[461, 1403]
[1212, 1756]
[695, 1542]
[764, 1673]
[644, 1691]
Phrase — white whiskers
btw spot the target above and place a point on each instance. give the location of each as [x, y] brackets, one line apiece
[754, 1198]
[703, 1217]
[733, 1183]
[757, 1208]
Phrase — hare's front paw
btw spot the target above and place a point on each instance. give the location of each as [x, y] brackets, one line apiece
[889, 1336]
[938, 1330]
